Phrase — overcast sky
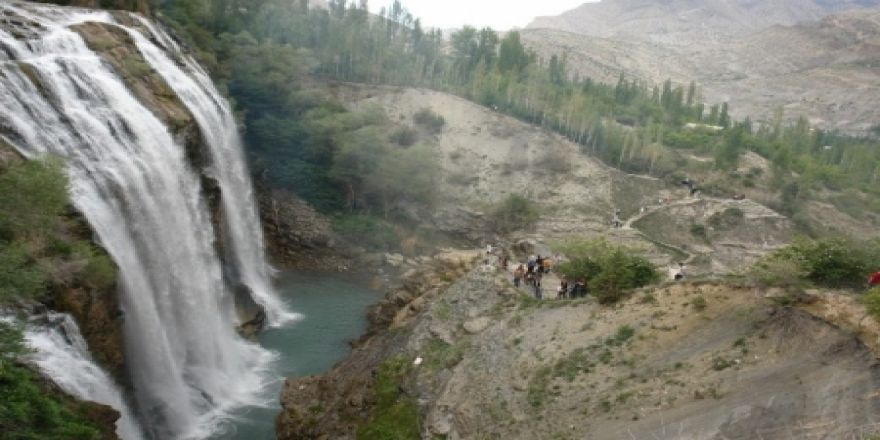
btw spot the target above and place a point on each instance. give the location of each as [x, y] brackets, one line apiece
[499, 14]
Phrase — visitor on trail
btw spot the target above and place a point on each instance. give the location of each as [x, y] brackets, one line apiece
[682, 271]
[539, 263]
[531, 266]
[579, 290]
[518, 275]
[692, 186]
[530, 278]
[874, 280]
[562, 292]
[615, 220]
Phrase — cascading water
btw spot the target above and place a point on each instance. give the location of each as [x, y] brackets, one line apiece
[132, 182]
[61, 353]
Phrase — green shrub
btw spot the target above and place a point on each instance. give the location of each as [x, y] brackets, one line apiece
[20, 278]
[404, 136]
[396, 415]
[33, 195]
[367, 231]
[27, 411]
[699, 303]
[433, 122]
[699, 231]
[515, 212]
[834, 262]
[610, 270]
[871, 300]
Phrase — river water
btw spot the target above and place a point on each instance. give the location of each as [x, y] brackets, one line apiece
[333, 313]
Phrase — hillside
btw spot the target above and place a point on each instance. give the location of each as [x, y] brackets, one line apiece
[686, 22]
[486, 157]
[701, 361]
[824, 70]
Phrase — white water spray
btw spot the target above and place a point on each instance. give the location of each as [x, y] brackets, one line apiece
[133, 183]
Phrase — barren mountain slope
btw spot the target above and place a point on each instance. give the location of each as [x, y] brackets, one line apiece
[687, 22]
[827, 70]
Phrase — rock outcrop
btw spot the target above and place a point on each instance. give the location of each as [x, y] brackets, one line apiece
[297, 236]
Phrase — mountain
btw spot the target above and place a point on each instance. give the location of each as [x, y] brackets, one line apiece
[759, 56]
[690, 21]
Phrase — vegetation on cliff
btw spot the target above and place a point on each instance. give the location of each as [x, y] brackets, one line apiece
[27, 410]
[42, 253]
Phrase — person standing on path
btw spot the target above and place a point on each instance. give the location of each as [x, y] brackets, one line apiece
[518, 275]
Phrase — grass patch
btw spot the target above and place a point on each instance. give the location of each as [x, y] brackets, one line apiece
[440, 355]
[396, 415]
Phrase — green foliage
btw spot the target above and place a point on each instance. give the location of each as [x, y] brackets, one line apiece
[20, 278]
[27, 411]
[699, 231]
[404, 136]
[513, 213]
[370, 232]
[396, 415]
[431, 121]
[699, 303]
[871, 300]
[33, 195]
[610, 270]
[440, 355]
[834, 262]
[623, 334]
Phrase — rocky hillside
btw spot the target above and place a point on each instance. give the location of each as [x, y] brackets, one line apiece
[486, 157]
[762, 56]
[479, 360]
[684, 22]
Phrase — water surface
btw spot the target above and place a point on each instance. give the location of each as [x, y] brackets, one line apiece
[334, 313]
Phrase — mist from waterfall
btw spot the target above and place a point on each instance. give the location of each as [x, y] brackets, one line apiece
[131, 180]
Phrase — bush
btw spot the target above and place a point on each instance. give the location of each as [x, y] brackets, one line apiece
[871, 300]
[699, 231]
[834, 262]
[20, 278]
[33, 194]
[515, 212]
[610, 270]
[404, 136]
[433, 122]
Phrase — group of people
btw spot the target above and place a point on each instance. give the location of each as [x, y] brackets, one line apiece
[572, 291]
[532, 273]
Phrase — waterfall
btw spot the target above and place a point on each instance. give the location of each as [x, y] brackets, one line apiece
[61, 353]
[132, 182]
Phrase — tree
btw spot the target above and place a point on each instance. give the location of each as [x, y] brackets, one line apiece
[512, 56]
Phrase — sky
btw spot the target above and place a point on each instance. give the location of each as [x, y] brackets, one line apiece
[499, 14]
